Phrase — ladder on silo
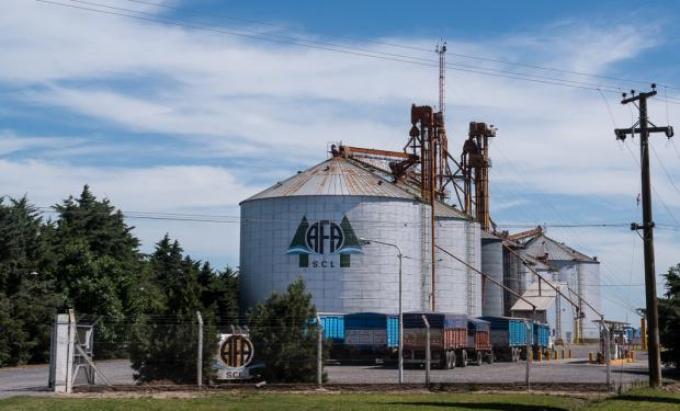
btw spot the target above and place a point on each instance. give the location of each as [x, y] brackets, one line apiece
[472, 277]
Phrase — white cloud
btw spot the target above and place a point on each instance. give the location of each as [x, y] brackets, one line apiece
[139, 189]
[184, 189]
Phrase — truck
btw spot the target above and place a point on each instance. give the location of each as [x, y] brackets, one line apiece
[449, 339]
[370, 337]
[334, 332]
[541, 337]
[333, 327]
[479, 347]
[509, 337]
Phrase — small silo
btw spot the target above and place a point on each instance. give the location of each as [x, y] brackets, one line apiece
[492, 265]
[309, 226]
[580, 272]
[517, 274]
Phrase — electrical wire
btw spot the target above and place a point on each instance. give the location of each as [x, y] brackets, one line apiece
[423, 49]
[332, 47]
[663, 167]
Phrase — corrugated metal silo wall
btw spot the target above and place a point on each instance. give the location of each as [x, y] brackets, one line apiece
[451, 276]
[492, 265]
[583, 278]
[369, 283]
[515, 276]
[474, 241]
[591, 291]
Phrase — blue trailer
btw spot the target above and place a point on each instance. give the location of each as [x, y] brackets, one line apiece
[370, 337]
[509, 337]
[333, 327]
[541, 337]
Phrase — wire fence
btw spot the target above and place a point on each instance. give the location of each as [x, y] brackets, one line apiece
[181, 354]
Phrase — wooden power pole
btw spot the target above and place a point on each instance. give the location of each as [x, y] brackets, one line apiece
[642, 128]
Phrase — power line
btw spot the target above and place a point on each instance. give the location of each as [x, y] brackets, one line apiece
[233, 219]
[333, 47]
[668, 175]
[423, 49]
[658, 196]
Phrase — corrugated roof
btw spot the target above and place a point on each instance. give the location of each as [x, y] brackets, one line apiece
[335, 176]
[541, 245]
[543, 300]
[341, 176]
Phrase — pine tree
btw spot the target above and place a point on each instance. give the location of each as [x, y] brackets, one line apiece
[164, 340]
[219, 293]
[28, 300]
[98, 266]
[285, 335]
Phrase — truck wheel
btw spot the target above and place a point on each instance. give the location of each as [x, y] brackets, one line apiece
[463, 358]
[453, 359]
[449, 355]
[480, 359]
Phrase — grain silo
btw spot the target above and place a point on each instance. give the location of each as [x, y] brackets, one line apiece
[492, 265]
[309, 226]
[580, 272]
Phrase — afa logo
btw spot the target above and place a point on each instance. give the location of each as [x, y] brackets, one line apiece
[323, 240]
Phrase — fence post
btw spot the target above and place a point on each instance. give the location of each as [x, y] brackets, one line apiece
[428, 351]
[529, 355]
[607, 354]
[199, 353]
[72, 335]
[319, 353]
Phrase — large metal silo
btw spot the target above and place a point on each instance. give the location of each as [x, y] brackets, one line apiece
[309, 226]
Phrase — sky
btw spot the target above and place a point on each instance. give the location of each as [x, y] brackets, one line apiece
[194, 106]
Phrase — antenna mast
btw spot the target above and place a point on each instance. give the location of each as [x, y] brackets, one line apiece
[441, 50]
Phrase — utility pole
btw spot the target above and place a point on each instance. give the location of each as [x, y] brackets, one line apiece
[642, 128]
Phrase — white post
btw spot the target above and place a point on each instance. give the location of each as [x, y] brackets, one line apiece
[400, 256]
[199, 353]
[401, 321]
[319, 353]
[428, 351]
[59, 354]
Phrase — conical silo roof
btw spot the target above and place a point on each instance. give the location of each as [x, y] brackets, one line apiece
[334, 177]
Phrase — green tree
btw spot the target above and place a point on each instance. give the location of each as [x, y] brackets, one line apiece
[97, 264]
[28, 300]
[285, 335]
[220, 293]
[165, 336]
[669, 317]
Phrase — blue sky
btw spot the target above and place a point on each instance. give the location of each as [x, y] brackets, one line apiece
[178, 119]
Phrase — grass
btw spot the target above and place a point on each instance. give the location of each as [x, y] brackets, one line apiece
[642, 399]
